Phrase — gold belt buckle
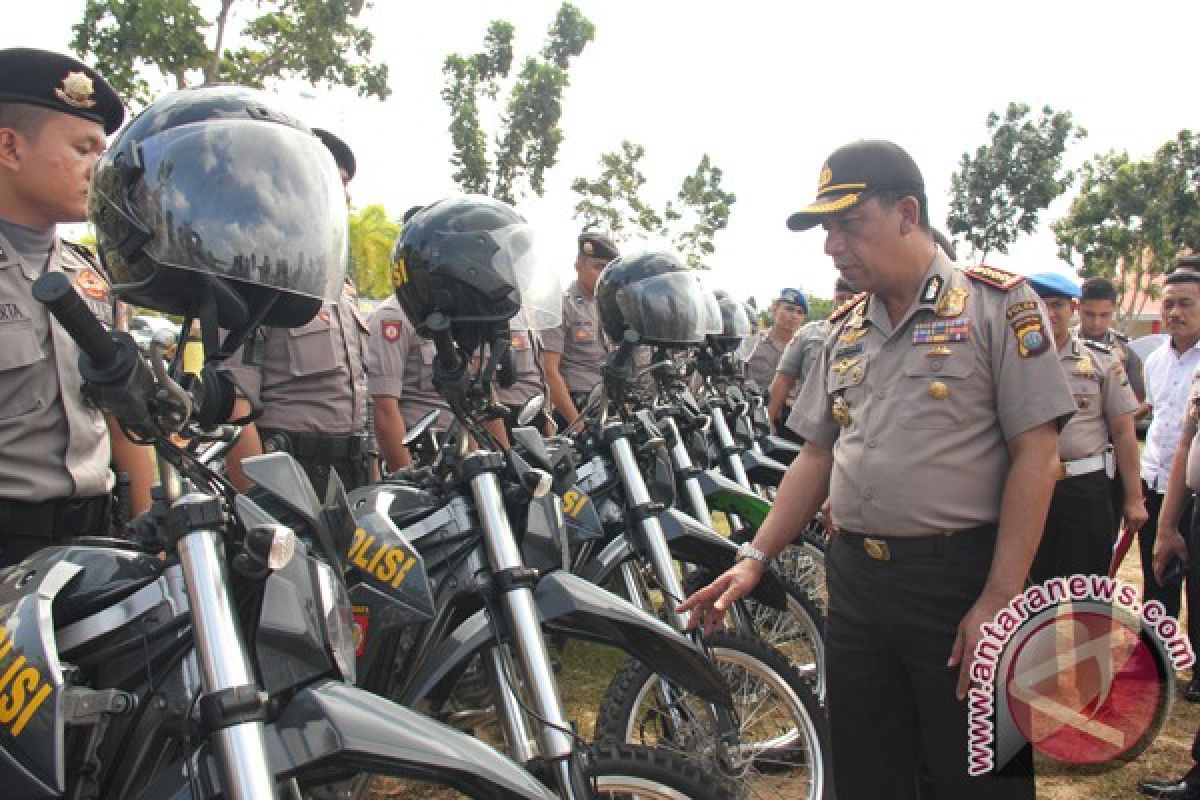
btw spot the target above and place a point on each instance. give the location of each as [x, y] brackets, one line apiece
[877, 549]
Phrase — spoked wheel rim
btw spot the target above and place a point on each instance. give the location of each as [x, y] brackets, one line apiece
[775, 757]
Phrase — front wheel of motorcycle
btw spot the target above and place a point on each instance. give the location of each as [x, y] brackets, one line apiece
[622, 772]
[782, 748]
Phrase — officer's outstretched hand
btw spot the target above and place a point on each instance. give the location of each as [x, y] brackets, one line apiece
[709, 604]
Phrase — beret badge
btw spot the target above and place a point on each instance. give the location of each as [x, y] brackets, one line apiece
[77, 91]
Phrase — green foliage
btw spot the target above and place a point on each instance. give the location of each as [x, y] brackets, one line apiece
[529, 136]
[372, 235]
[315, 40]
[997, 194]
[1132, 219]
[613, 201]
[819, 308]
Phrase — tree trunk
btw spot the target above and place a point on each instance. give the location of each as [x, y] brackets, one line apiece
[213, 71]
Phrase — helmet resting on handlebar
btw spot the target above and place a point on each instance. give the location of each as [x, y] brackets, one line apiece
[470, 258]
[736, 323]
[654, 294]
[213, 196]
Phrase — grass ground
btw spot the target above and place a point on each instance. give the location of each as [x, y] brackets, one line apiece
[587, 670]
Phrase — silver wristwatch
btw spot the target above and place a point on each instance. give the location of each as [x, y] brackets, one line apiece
[747, 550]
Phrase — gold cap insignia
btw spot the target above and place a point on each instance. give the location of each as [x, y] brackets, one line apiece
[588, 250]
[826, 177]
[77, 91]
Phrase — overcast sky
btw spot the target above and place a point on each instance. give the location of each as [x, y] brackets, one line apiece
[767, 90]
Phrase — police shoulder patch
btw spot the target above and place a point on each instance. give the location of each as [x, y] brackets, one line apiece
[1001, 279]
[848, 306]
[1099, 347]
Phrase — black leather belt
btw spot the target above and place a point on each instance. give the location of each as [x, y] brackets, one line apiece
[313, 446]
[902, 548]
[57, 519]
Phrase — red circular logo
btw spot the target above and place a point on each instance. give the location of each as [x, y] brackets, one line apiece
[1084, 686]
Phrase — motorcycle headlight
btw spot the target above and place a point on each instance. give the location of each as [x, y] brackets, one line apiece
[338, 616]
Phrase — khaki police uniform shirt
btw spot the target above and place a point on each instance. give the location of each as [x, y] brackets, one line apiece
[801, 353]
[400, 365]
[579, 339]
[1130, 360]
[926, 407]
[1102, 394]
[760, 367]
[525, 346]
[311, 379]
[54, 444]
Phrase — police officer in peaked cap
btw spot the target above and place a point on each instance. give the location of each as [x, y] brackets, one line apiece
[931, 417]
[56, 472]
[573, 353]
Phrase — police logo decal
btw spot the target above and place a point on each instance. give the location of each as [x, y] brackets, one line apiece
[90, 284]
[390, 328]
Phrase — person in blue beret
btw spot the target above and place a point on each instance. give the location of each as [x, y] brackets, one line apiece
[1099, 437]
[789, 309]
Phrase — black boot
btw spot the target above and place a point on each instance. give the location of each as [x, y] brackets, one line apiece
[1186, 788]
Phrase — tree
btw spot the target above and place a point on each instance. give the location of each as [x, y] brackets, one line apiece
[529, 136]
[315, 40]
[1132, 219]
[613, 201]
[997, 194]
[372, 236]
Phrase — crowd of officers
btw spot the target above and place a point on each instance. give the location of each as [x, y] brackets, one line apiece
[966, 437]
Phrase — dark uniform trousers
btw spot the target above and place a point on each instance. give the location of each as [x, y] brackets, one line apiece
[1078, 537]
[890, 630]
[347, 455]
[26, 528]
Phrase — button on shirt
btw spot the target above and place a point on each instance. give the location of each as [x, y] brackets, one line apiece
[918, 415]
[1168, 380]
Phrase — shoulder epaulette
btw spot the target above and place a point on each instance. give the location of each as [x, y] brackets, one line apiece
[1001, 279]
[84, 252]
[848, 306]
[1121, 337]
[1099, 347]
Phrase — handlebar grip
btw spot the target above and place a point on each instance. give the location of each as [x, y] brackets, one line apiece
[55, 292]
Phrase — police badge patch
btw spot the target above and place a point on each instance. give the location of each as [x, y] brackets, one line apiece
[390, 329]
[1031, 336]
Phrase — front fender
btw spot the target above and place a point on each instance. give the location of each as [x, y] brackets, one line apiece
[782, 450]
[730, 497]
[691, 542]
[762, 470]
[569, 605]
[331, 730]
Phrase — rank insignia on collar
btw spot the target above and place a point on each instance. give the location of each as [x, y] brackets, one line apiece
[841, 411]
[77, 91]
[994, 277]
[953, 303]
[933, 288]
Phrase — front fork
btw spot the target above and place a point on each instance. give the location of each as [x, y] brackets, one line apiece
[658, 553]
[514, 585]
[729, 454]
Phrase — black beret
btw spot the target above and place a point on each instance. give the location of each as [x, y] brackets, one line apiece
[597, 245]
[59, 83]
[342, 153]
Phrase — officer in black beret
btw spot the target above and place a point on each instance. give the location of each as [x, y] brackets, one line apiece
[57, 450]
[573, 353]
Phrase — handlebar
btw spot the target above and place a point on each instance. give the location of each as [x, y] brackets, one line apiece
[55, 292]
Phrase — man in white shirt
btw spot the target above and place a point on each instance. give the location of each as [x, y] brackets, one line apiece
[1169, 371]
